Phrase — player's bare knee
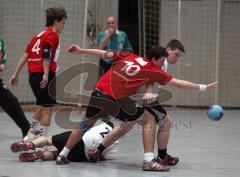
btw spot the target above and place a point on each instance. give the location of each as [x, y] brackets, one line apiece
[166, 123]
[146, 118]
[86, 124]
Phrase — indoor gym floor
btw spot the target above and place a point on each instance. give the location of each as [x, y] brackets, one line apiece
[205, 148]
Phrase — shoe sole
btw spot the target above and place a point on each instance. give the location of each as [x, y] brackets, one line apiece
[171, 164]
[62, 163]
[15, 147]
[163, 170]
[30, 157]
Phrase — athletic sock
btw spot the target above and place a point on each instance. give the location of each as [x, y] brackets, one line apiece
[34, 125]
[149, 156]
[162, 153]
[64, 152]
[44, 130]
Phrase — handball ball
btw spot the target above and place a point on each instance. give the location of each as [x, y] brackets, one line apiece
[215, 112]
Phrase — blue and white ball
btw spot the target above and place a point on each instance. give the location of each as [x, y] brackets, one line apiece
[215, 112]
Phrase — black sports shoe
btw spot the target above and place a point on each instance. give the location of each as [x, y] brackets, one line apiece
[168, 160]
[61, 160]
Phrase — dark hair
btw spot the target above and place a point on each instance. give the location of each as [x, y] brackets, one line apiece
[156, 52]
[175, 44]
[55, 13]
[110, 124]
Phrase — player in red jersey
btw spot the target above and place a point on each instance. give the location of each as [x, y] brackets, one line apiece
[111, 97]
[150, 99]
[42, 54]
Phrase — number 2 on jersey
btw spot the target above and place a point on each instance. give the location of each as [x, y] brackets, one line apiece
[104, 133]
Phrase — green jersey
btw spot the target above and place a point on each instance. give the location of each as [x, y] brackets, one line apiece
[2, 52]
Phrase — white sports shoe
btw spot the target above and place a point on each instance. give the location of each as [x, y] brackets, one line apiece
[31, 136]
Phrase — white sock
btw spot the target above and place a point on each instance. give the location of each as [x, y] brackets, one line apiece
[34, 125]
[149, 156]
[64, 152]
[44, 130]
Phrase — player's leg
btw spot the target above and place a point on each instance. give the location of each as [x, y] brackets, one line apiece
[130, 111]
[163, 134]
[11, 106]
[45, 98]
[99, 106]
[162, 141]
[35, 121]
[76, 135]
[149, 123]
[46, 114]
[37, 155]
[116, 133]
[42, 141]
[37, 143]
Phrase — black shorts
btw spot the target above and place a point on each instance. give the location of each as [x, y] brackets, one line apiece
[157, 110]
[46, 96]
[77, 153]
[103, 106]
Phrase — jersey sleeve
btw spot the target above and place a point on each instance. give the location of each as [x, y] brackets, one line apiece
[119, 55]
[52, 40]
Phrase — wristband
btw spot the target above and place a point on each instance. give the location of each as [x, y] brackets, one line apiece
[202, 87]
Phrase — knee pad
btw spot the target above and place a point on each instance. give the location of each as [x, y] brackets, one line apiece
[84, 126]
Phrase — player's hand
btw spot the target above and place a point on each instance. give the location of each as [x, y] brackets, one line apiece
[2, 67]
[13, 81]
[212, 85]
[150, 97]
[111, 31]
[44, 81]
[74, 49]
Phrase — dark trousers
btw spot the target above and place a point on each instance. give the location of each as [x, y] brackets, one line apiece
[11, 106]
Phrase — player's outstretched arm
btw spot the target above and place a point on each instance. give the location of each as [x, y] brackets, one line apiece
[190, 85]
[75, 49]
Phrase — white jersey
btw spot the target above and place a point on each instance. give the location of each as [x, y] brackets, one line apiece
[165, 66]
[94, 137]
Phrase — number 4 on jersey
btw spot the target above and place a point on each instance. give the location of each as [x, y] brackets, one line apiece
[36, 47]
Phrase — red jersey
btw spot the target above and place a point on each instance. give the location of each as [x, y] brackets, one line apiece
[128, 74]
[35, 50]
